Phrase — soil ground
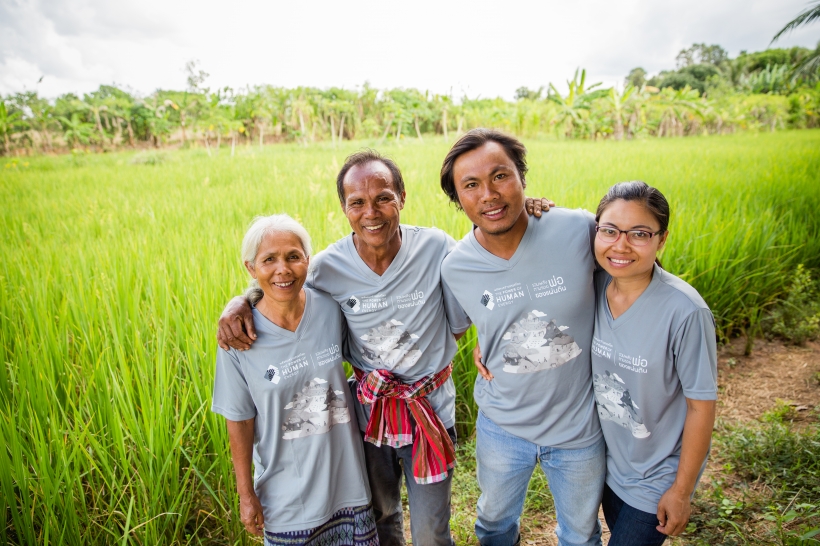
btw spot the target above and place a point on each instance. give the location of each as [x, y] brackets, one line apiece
[749, 386]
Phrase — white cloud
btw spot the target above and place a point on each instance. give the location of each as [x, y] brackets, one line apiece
[477, 48]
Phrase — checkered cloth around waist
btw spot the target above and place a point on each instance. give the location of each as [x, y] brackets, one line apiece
[393, 403]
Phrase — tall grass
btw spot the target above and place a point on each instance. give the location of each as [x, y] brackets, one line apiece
[112, 276]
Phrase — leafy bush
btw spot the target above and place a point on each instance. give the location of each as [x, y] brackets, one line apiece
[786, 459]
[797, 318]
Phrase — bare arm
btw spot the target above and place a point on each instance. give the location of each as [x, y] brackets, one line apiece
[674, 507]
[250, 509]
[236, 325]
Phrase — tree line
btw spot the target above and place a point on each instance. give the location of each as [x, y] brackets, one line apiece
[707, 93]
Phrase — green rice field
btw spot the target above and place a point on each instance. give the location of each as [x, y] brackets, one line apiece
[115, 267]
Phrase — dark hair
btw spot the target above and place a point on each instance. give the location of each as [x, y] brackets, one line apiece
[637, 190]
[363, 157]
[472, 140]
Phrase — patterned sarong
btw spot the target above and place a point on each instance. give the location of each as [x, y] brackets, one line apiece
[354, 526]
[393, 403]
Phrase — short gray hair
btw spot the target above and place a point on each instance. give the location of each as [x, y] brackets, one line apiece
[259, 229]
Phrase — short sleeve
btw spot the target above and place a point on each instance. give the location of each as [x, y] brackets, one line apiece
[695, 353]
[590, 218]
[232, 397]
[456, 316]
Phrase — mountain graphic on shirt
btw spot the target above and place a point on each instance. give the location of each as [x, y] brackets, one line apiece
[390, 347]
[615, 404]
[536, 344]
[314, 410]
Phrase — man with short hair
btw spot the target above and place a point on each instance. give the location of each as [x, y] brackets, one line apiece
[531, 297]
[402, 331]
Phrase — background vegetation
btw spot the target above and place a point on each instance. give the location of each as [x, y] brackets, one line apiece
[708, 93]
[114, 269]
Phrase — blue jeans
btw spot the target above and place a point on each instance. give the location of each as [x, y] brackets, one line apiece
[505, 464]
[629, 526]
[429, 503]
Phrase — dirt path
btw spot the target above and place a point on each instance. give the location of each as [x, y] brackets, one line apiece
[750, 386]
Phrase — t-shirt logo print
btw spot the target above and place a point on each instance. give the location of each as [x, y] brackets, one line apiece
[314, 410]
[487, 300]
[615, 404]
[389, 346]
[272, 374]
[354, 303]
[536, 344]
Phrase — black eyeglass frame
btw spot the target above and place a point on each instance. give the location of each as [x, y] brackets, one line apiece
[628, 231]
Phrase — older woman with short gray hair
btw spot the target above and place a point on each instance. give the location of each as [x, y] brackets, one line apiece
[288, 407]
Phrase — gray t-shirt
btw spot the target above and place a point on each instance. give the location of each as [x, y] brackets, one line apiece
[307, 452]
[645, 364]
[534, 315]
[401, 321]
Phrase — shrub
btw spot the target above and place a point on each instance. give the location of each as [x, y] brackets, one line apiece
[784, 458]
[797, 318]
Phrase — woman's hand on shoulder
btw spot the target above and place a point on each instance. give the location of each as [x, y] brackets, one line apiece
[250, 514]
[674, 510]
[236, 325]
[536, 206]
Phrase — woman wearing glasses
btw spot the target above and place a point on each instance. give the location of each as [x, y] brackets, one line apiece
[654, 369]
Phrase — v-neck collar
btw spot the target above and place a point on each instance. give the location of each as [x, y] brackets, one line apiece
[394, 266]
[635, 308]
[262, 322]
[501, 263]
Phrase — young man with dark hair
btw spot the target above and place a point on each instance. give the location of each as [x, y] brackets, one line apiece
[531, 298]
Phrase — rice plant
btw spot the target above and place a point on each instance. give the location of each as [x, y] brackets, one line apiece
[113, 273]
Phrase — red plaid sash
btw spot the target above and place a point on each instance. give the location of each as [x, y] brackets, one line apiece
[393, 402]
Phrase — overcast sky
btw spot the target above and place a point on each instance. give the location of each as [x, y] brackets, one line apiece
[478, 48]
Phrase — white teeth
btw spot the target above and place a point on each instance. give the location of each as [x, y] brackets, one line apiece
[373, 228]
[492, 212]
[620, 261]
[283, 284]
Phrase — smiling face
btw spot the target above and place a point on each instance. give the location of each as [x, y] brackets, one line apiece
[372, 205]
[280, 266]
[489, 188]
[621, 259]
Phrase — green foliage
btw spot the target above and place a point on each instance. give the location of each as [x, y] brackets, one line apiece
[113, 275]
[712, 94]
[782, 459]
[702, 54]
[803, 18]
[803, 519]
[782, 412]
[797, 317]
[636, 78]
[149, 158]
[787, 460]
[774, 453]
[772, 79]
[753, 62]
[694, 76]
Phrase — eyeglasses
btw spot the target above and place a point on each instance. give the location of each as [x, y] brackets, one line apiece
[636, 237]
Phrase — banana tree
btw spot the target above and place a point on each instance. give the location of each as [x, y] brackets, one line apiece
[617, 102]
[8, 123]
[75, 130]
[678, 106]
[574, 108]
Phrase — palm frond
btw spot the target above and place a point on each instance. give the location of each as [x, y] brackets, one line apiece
[805, 17]
[808, 69]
